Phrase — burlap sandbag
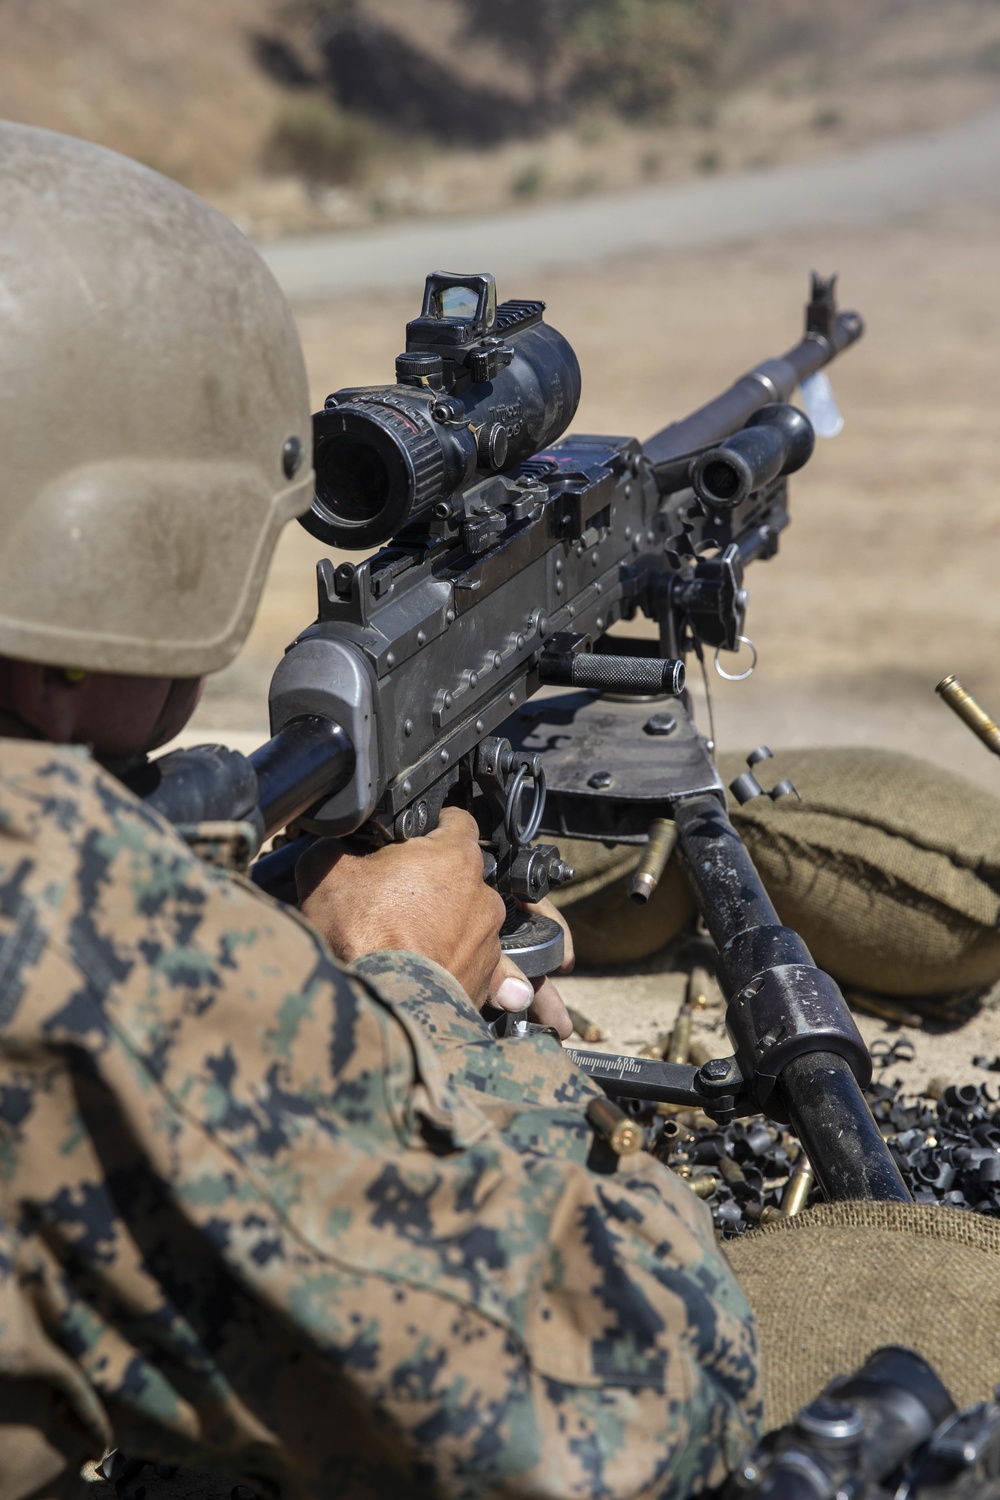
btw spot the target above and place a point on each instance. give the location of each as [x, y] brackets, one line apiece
[837, 1281]
[889, 868]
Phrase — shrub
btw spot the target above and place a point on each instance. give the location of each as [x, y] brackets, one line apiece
[528, 180]
[639, 55]
[827, 118]
[315, 140]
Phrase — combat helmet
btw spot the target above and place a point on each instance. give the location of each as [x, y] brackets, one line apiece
[155, 429]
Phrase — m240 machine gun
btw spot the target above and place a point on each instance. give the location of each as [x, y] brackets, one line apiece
[509, 552]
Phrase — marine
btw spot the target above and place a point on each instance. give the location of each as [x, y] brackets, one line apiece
[260, 1208]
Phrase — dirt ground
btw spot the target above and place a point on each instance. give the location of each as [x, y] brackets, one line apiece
[886, 579]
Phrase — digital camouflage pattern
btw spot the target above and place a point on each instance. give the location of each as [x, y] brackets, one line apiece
[313, 1226]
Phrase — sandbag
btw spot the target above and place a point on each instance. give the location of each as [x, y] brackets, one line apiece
[838, 1281]
[889, 867]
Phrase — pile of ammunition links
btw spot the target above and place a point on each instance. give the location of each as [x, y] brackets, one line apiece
[749, 1171]
[946, 1141]
[946, 1144]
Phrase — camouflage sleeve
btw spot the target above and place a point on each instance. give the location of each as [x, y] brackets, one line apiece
[319, 1228]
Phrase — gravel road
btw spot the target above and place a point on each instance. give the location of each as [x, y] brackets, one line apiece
[872, 186]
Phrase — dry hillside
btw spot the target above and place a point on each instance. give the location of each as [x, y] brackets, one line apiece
[213, 93]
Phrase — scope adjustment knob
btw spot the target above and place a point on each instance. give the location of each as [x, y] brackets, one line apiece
[492, 446]
[414, 368]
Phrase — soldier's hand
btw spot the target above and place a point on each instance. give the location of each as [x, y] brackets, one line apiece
[539, 999]
[425, 896]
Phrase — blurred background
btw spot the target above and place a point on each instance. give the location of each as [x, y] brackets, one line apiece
[664, 174]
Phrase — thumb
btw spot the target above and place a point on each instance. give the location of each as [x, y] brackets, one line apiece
[509, 989]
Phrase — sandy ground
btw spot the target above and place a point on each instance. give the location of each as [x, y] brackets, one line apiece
[886, 579]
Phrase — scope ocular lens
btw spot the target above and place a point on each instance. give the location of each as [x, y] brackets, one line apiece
[352, 480]
[364, 476]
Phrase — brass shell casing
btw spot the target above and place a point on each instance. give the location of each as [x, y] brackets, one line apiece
[680, 1038]
[646, 877]
[799, 1187]
[583, 1026]
[622, 1134]
[961, 702]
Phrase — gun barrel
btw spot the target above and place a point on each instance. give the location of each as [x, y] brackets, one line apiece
[671, 449]
[310, 757]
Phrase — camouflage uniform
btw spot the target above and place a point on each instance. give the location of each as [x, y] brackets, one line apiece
[314, 1225]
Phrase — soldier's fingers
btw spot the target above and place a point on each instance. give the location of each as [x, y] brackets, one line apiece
[456, 823]
[544, 908]
[457, 838]
[548, 1008]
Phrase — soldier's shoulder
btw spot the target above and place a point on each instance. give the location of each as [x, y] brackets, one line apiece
[95, 882]
[54, 793]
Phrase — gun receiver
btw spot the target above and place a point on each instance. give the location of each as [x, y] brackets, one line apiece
[514, 550]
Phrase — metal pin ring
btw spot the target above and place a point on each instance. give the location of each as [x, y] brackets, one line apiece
[521, 835]
[742, 640]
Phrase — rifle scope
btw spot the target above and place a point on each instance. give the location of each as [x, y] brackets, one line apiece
[479, 389]
[856, 1436]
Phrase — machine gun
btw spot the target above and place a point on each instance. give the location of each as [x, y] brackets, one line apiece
[512, 550]
[889, 1430]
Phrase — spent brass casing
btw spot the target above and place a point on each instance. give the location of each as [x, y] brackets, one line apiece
[798, 1188]
[622, 1134]
[699, 988]
[662, 842]
[680, 1037]
[657, 1050]
[674, 1136]
[730, 1171]
[584, 1027]
[961, 702]
[703, 1187]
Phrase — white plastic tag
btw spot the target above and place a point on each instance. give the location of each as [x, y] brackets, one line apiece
[821, 405]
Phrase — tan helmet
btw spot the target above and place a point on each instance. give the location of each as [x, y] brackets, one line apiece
[155, 430]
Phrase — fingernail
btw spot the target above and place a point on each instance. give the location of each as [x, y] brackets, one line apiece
[514, 994]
